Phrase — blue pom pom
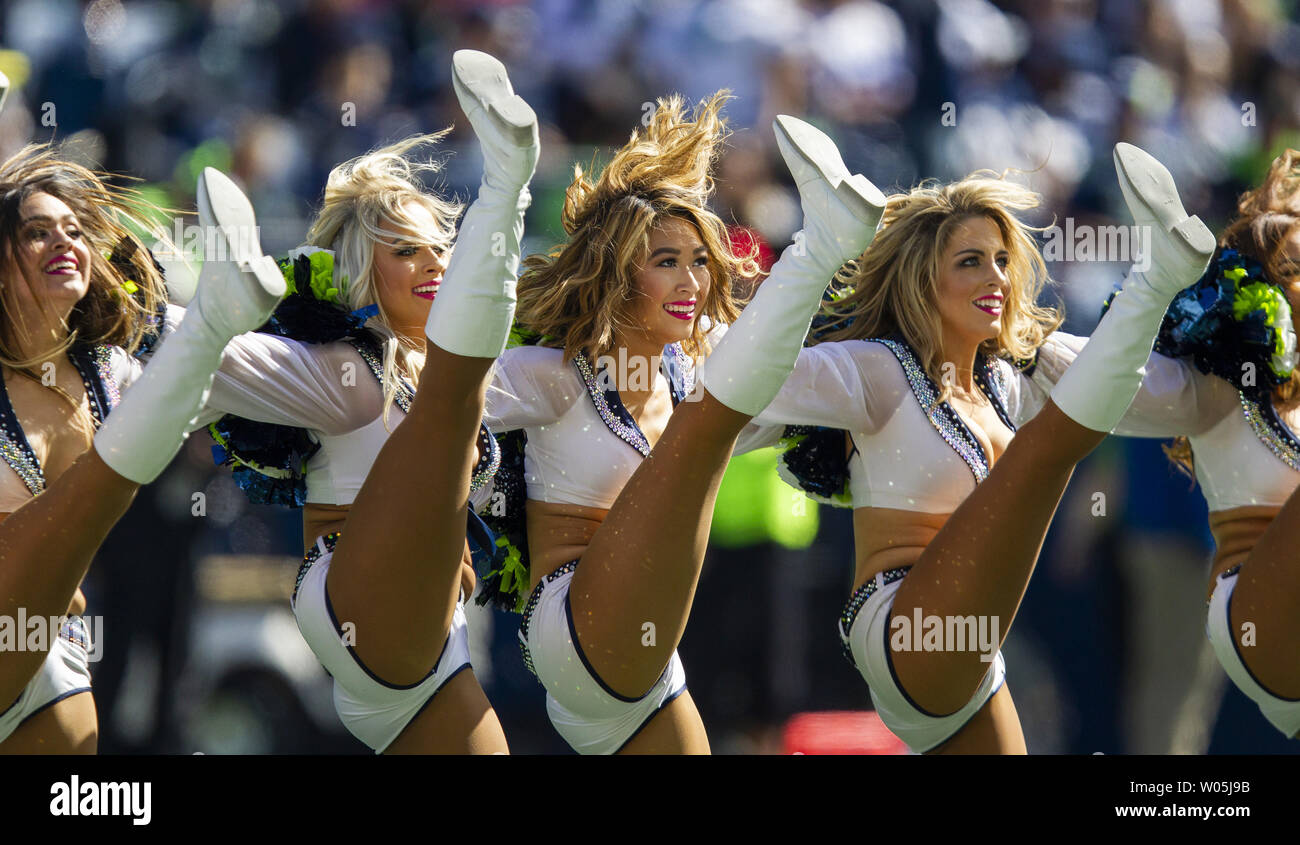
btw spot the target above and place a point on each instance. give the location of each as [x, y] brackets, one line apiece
[218, 455]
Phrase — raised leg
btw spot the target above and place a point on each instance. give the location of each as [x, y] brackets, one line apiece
[1266, 602]
[632, 594]
[395, 573]
[980, 562]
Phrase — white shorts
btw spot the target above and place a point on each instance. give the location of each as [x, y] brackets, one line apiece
[864, 633]
[375, 711]
[1283, 713]
[590, 716]
[65, 672]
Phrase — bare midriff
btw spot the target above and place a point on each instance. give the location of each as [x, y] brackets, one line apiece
[1236, 531]
[888, 538]
[559, 533]
[320, 519]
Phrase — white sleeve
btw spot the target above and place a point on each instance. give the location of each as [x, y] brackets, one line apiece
[1176, 399]
[531, 386]
[853, 384]
[321, 387]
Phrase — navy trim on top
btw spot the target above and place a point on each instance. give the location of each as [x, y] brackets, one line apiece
[967, 445]
[83, 359]
[608, 401]
[13, 432]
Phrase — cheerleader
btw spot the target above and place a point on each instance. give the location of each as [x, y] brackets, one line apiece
[78, 292]
[949, 510]
[374, 428]
[1225, 383]
[617, 455]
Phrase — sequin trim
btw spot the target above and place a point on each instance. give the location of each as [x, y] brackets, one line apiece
[103, 358]
[991, 379]
[681, 381]
[533, 599]
[19, 457]
[73, 629]
[626, 430]
[489, 459]
[405, 393]
[951, 427]
[1271, 431]
[322, 547]
[850, 613]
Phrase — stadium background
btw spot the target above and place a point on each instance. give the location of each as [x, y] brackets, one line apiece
[1108, 653]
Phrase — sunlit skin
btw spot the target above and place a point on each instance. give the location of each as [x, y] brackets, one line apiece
[972, 287]
[50, 274]
[53, 263]
[408, 273]
[671, 285]
[673, 277]
[407, 277]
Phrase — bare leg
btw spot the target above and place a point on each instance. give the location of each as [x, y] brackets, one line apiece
[980, 562]
[47, 545]
[459, 720]
[70, 726]
[643, 565]
[995, 729]
[1267, 595]
[633, 592]
[676, 729]
[395, 573]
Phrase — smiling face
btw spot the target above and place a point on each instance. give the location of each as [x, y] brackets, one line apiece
[52, 255]
[972, 281]
[407, 272]
[671, 284]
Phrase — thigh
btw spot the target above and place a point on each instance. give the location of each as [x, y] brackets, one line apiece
[675, 729]
[70, 726]
[457, 720]
[995, 729]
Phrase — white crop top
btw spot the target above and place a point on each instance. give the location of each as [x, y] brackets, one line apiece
[583, 445]
[1244, 452]
[331, 390]
[912, 454]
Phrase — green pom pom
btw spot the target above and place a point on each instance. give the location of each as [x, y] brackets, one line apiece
[286, 270]
[514, 575]
[322, 276]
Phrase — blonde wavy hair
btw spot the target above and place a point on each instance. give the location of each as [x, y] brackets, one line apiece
[108, 217]
[363, 198]
[578, 296]
[893, 286]
[1267, 217]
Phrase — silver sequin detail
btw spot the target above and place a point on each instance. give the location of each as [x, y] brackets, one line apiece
[941, 416]
[850, 613]
[532, 605]
[1278, 442]
[21, 462]
[630, 433]
[405, 393]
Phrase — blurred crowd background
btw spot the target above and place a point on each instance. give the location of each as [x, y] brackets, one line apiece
[1108, 654]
